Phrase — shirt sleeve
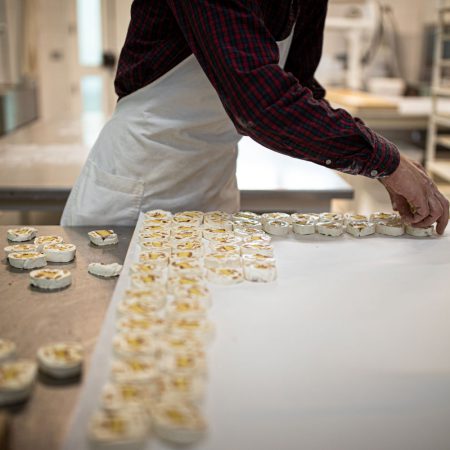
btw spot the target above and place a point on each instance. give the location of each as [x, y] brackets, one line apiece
[240, 57]
[307, 43]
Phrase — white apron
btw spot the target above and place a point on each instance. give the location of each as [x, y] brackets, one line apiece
[169, 145]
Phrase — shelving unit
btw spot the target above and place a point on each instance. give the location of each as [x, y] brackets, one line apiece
[440, 90]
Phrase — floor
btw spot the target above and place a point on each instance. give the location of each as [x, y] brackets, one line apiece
[74, 138]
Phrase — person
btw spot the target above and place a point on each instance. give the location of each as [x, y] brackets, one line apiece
[196, 75]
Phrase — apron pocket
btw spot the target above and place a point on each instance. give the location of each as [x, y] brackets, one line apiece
[101, 198]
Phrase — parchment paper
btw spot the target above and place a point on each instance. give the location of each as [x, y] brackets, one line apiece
[348, 349]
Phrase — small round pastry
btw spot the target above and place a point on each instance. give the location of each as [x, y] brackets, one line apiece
[139, 370]
[170, 343]
[360, 228]
[184, 236]
[219, 223]
[304, 216]
[225, 248]
[178, 422]
[50, 279]
[303, 226]
[355, 218]
[331, 217]
[225, 239]
[225, 275]
[157, 258]
[194, 246]
[164, 223]
[156, 294]
[243, 231]
[16, 380]
[105, 270]
[275, 216]
[185, 267]
[21, 234]
[247, 224]
[138, 323]
[211, 232]
[59, 253]
[185, 388]
[257, 258]
[213, 260]
[156, 246]
[186, 362]
[184, 281]
[145, 268]
[253, 248]
[132, 344]
[187, 307]
[147, 280]
[187, 220]
[260, 237]
[198, 329]
[7, 350]
[118, 429]
[419, 232]
[277, 227]
[196, 292]
[333, 229]
[41, 241]
[196, 214]
[26, 261]
[215, 216]
[152, 229]
[20, 248]
[144, 307]
[61, 360]
[103, 237]
[183, 228]
[158, 214]
[125, 396]
[261, 272]
[184, 255]
[382, 217]
[155, 236]
[391, 227]
[246, 215]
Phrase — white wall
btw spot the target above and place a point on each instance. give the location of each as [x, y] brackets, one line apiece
[411, 17]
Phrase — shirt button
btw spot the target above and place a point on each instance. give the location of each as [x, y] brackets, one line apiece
[374, 173]
[328, 162]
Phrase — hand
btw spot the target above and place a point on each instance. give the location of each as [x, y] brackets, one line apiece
[415, 196]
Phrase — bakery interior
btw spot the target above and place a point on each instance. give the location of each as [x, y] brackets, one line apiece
[384, 61]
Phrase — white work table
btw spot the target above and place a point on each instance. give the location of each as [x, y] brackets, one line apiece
[347, 350]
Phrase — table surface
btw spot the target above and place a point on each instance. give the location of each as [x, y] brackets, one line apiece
[32, 318]
[347, 350]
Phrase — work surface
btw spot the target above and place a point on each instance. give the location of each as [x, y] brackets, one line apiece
[32, 318]
[347, 350]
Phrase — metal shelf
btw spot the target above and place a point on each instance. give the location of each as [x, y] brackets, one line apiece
[443, 140]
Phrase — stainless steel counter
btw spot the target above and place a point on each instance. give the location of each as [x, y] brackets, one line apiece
[32, 318]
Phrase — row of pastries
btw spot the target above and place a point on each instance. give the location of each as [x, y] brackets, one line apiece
[158, 371]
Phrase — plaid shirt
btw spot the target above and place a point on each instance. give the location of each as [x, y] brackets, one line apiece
[235, 43]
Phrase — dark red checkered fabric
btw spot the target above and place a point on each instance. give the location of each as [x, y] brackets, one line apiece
[235, 43]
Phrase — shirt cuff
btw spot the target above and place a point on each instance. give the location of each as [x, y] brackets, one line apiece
[384, 160]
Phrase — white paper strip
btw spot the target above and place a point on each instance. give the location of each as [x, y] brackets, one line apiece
[348, 349]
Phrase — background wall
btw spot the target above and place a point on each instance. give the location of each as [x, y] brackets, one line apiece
[411, 17]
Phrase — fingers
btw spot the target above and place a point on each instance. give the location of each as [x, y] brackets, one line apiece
[419, 208]
[436, 212]
[402, 206]
[442, 222]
